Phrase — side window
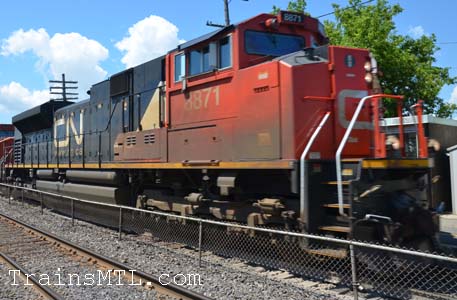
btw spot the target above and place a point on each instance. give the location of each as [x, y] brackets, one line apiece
[216, 55]
[225, 53]
[180, 67]
[195, 62]
[200, 61]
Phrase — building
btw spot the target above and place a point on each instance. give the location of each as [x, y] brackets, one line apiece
[6, 130]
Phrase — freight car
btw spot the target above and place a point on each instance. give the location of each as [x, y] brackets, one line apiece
[260, 122]
[6, 130]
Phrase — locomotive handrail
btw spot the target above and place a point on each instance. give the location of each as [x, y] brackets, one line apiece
[304, 171]
[423, 151]
[344, 141]
[4, 159]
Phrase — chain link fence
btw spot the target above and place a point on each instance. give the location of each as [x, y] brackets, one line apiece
[378, 269]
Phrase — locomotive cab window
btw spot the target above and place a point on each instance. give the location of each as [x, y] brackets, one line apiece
[272, 44]
[215, 55]
[203, 60]
[225, 52]
[180, 67]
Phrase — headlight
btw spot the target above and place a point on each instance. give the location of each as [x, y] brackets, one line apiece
[368, 78]
[367, 66]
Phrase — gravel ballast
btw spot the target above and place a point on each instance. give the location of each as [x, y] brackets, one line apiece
[10, 291]
[220, 278]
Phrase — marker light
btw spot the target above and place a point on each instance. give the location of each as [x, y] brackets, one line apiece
[368, 78]
[367, 66]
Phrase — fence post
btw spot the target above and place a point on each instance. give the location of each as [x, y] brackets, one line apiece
[355, 284]
[120, 223]
[200, 240]
[41, 202]
[72, 212]
[22, 196]
[9, 195]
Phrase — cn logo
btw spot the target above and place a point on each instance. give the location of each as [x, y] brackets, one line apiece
[342, 96]
[65, 125]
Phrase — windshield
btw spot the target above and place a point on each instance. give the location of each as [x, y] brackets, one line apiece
[273, 44]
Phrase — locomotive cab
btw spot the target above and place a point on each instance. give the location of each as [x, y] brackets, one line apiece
[229, 77]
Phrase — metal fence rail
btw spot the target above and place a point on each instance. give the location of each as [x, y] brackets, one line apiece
[390, 271]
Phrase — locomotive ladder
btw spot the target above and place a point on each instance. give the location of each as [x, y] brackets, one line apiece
[339, 180]
[348, 170]
[331, 220]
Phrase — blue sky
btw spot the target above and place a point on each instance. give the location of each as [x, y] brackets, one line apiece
[89, 40]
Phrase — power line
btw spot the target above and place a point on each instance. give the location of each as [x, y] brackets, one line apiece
[344, 8]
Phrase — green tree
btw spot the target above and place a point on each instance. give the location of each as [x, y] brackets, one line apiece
[296, 6]
[407, 63]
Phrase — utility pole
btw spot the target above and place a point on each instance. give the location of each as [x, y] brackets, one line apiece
[227, 16]
[61, 89]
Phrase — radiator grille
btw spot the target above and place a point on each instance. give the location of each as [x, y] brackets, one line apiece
[130, 141]
[149, 138]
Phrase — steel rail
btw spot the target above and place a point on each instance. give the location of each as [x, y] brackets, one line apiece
[260, 229]
[170, 289]
[42, 289]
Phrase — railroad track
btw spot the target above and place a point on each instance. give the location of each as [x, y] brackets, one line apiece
[62, 270]
[39, 291]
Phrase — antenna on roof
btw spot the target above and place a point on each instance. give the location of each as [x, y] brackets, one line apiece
[61, 89]
[226, 13]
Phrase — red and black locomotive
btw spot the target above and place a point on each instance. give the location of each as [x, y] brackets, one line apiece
[260, 122]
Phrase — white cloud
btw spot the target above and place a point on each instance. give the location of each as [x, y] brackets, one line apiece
[453, 98]
[14, 98]
[416, 31]
[70, 53]
[148, 39]
[21, 41]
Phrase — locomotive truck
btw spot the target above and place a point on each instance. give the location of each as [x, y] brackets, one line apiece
[261, 122]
